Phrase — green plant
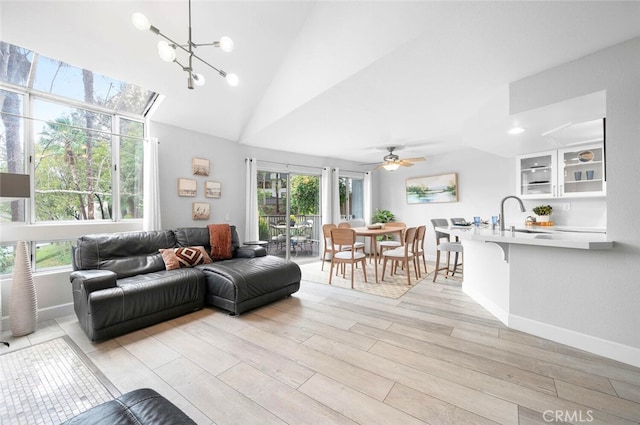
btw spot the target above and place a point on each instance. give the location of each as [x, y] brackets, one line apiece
[382, 216]
[542, 210]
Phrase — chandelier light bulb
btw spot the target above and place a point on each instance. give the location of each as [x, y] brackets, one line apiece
[226, 44]
[232, 79]
[166, 51]
[140, 21]
[198, 79]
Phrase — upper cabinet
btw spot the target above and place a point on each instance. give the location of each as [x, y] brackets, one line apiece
[570, 172]
[582, 172]
[536, 175]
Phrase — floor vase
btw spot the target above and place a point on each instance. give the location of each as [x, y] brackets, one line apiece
[23, 304]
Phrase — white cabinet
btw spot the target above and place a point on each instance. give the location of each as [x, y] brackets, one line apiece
[571, 172]
[582, 171]
[537, 175]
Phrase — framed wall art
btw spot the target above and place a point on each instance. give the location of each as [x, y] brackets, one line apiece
[187, 187]
[201, 211]
[201, 167]
[212, 189]
[432, 189]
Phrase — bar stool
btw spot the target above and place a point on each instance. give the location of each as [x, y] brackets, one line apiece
[448, 247]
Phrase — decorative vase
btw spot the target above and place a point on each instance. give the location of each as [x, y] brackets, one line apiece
[23, 304]
[542, 218]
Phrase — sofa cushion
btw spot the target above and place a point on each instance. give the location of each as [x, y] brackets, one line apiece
[188, 256]
[199, 236]
[126, 254]
[220, 241]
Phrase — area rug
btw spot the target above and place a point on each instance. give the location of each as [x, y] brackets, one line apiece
[50, 382]
[392, 287]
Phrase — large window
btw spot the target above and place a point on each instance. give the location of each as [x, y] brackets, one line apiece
[79, 135]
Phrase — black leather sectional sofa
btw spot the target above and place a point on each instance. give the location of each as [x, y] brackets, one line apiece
[120, 282]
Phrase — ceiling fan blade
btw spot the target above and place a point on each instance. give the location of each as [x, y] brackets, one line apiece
[404, 163]
[366, 164]
[377, 167]
[415, 159]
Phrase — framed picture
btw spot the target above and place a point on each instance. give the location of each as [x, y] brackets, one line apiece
[212, 189]
[201, 211]
[187, 187]
[432, 189]
[200, 167]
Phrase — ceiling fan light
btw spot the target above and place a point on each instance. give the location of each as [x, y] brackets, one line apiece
[166, 51]
[391, 166]
[226, 44]
[140, 21]
[232, 79]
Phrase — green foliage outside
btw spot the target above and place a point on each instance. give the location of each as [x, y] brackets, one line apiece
[305, 195]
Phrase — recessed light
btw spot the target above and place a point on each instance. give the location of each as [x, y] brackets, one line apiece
[516, 130]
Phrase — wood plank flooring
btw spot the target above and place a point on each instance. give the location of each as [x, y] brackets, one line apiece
[332, 356]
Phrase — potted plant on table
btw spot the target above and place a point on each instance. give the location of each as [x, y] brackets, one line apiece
[292, 220]
[543, 213]
[382, 216]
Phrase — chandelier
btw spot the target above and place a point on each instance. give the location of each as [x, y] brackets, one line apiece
[167, 49]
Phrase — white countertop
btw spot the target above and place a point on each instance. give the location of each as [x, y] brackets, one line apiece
[533, 235]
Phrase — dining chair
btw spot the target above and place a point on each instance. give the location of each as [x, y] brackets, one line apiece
[341, 238]
[447, 246]
[391, 244]
[402, 255]
[328, 245]
[359, 246]
[418, 248]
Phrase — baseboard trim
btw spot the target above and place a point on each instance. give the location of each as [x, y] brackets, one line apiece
[45, 314]
[489, 305]
[602, 347]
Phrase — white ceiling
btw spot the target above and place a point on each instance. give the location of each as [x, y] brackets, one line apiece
[337, 79]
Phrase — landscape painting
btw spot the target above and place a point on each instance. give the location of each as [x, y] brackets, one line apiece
[432, 189]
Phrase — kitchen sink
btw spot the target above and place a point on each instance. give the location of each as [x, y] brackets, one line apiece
[529, 231]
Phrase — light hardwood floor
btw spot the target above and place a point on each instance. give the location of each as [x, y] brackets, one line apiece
[332, 356]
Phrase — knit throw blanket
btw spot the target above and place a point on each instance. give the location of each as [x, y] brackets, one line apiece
[220, 241]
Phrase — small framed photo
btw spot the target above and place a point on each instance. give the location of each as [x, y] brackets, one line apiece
[187, 187]
[212, 189]
[200, 167]
[201, 211]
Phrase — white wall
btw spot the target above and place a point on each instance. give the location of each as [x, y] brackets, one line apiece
[591, 296]
[483, 180]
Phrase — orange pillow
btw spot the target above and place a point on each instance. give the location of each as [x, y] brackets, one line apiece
[176, 258]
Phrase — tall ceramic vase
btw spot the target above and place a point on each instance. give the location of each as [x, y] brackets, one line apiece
[23, 304]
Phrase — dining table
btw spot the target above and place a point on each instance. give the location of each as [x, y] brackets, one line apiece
[373, 234]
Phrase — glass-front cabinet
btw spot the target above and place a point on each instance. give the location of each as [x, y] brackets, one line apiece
[536, 176]
[583, 171]
[571, 172]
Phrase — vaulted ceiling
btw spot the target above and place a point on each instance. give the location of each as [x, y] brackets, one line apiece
[336, 79]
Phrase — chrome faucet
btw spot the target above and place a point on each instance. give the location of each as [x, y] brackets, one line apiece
[522, 209]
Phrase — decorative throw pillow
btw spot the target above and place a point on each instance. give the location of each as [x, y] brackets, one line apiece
[220, 241]
[175, 258]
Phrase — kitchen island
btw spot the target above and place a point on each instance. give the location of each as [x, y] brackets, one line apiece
[532, 278]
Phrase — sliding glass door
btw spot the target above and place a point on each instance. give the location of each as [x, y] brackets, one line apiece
[289, 214]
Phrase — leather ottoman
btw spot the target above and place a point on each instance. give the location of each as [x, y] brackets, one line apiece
[143, 406]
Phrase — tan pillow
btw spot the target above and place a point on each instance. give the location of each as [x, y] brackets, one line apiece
[175, 258]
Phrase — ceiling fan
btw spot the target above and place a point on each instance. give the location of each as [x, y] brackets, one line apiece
[393, 161]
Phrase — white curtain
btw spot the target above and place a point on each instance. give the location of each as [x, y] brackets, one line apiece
[326, 200]
[335, 196]
[367, 197]
[151, 186]
[251, 232]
